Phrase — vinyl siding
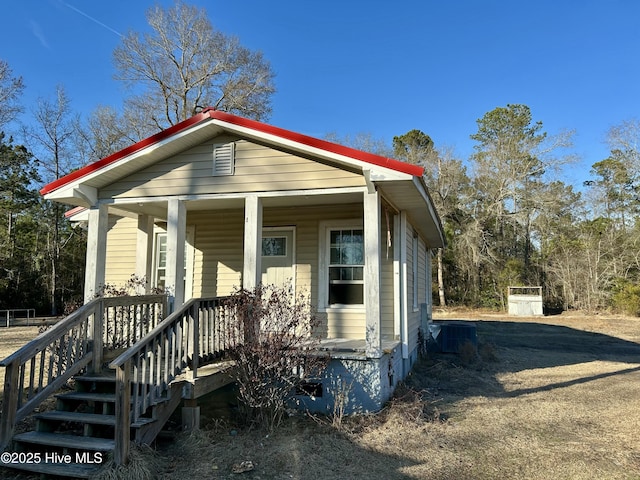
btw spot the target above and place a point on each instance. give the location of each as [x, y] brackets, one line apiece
[121, 250]
[218, 258]
[413, 320]
[257, 169]
[386, 277]
[218, 251]
[413, 312]
[334, 323]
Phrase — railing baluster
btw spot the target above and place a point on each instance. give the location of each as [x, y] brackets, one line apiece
[158, 377]
[179, 359]
[43, 355]
[21, 386]
[195, 339]
[32, 372]
[136, 390]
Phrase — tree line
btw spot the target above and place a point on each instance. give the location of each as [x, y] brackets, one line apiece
[508, 218]
[510, 221]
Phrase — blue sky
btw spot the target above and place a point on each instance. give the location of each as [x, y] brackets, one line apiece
[373, 66]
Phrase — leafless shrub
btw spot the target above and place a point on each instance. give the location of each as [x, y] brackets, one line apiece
[468, 353]
[422, 343]
[410, 405]
[341, 393]
[276, 350]
[488, 352]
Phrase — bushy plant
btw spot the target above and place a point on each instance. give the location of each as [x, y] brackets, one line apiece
[276, 350]
[626, 297]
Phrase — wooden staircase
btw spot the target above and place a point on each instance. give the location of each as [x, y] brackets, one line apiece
[109, 408]
[75, 439]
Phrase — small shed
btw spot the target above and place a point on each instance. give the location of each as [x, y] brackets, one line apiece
[525, 301]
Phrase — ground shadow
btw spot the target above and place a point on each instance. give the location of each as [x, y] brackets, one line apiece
[517, 346]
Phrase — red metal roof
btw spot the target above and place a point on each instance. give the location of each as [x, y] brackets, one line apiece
[258, 127]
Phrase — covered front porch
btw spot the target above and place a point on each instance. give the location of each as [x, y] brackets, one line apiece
[201, 247]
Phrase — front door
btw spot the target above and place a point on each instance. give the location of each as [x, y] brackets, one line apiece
[278, 257]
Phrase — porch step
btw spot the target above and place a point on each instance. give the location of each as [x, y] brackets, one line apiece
[77, 417]
[75, 442]
[88, 418]
[88, 397]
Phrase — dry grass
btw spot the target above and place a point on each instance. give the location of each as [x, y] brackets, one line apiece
[545, 398]
[11, 339]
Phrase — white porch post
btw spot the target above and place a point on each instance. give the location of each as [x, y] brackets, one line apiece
[144, 250]
[252, 269]
[372, 274]
[398, 304]
[176, 236]
[96, 251]
[404, 282]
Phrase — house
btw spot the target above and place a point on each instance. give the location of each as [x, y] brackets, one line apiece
[219, 201]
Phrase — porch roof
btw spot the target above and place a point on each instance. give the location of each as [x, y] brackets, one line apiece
[402, 183]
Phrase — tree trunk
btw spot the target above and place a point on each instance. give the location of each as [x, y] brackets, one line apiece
[443, 301]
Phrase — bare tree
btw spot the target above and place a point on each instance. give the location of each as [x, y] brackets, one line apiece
[105, 132]
[184, 63]
[51, 138]
[52, 134]
[446, 178]
[364, 141]
[10, 89]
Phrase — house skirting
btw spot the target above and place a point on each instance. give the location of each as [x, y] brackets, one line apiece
[353, 383]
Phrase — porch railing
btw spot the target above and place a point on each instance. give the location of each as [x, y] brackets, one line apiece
[45, 364]
[197, 333]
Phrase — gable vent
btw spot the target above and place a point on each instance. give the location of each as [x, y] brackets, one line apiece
[223, 159]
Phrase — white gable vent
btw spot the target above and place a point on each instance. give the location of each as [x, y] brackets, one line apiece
[223, 159]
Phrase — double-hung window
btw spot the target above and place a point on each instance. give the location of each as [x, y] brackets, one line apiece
[346, 267]
[160, 261]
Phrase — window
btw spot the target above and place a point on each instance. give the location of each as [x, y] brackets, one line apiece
[346, 267]
[161, 259]
[223, 159]
[274, 246]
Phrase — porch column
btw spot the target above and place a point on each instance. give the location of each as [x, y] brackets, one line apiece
[176, 236]
[372, 274]
[144, 250]
[96, 251]
[252, 269]
[398, 304]
[404, 282]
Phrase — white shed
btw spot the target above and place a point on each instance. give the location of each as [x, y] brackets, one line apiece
[525, 301]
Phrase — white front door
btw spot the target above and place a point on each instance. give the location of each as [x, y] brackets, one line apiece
[278, 257]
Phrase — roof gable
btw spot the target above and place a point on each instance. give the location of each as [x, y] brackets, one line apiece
[257, 168]
[211, 122]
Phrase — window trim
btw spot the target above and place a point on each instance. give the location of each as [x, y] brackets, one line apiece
[189, 253]
[324, 262]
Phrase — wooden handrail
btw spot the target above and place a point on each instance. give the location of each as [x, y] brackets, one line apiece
[200, 331]
[46, 363]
